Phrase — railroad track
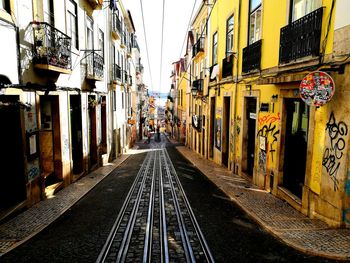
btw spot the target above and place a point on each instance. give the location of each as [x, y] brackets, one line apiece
[156, 222]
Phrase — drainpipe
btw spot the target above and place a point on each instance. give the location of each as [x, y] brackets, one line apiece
[18, 55]
[236, 86]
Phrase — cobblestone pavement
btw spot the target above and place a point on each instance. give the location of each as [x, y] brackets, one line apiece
[27, 224]
[293, 228]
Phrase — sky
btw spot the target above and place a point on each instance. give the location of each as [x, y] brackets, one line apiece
[176, 19]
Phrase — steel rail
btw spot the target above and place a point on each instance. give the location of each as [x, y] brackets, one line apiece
[184, 236]
[199, 233]
[147, 249]
[128, 231]
[162, 222]
[107, 246]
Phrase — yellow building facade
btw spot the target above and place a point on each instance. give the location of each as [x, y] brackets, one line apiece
[255, 122]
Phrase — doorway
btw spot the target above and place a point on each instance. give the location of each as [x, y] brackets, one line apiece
[297, 124]
[76, 133]
[50, 140]
[226, 131]
[12, 176]
[103, 125]
[92, 134]
[251, 130]
[212, 127]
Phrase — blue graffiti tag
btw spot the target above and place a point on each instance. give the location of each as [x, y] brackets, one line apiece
[346, 216]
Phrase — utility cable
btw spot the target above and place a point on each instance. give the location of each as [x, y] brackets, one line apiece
[161, 50]
[188, 27]
[144, 31]
[204, 28]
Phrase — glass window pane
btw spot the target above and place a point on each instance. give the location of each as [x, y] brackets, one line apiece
[254, 4]
[258, 25]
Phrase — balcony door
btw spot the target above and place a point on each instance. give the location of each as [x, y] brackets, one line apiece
[301, 8]
[48, 12]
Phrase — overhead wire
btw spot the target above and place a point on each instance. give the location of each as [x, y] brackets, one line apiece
[161, 49]
[201, 35]
[144, 31]
[188, 27]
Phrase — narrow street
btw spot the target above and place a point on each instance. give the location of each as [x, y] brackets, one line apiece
[155, 207]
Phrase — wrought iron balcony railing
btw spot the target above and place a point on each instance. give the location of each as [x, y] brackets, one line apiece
[302, 37]
[123, 40]
[116, 26]
[51, 49]
[197, 85]
[198, 47]
[117, 73]
[130, 80]
[125, 80]
[211, 73]
[252, 57]
[94, 66]
[227, 66]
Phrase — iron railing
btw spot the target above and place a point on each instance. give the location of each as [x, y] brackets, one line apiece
[197, 85]
[116, 23]
[130, 80]
[94, 65]
[198, 47]
[252, 57]
[302, 37]
[117, 73]
[227, 66]
[125, 79]
[51, 46]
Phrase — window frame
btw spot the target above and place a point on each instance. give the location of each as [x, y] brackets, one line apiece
[251, 12]
[228, 51]
[318, 5]
[75, 16]
[214, 47]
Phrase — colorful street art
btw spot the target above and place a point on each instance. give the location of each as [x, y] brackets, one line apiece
[317, 88]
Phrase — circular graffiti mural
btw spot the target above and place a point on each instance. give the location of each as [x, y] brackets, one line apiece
[317, 88]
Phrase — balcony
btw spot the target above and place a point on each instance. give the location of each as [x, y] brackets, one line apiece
[117, 73]
[301, 38]
[94, 66]
[130, 80]
[116, 26]
[198, 47]
[51, 48]
[252, 57]
[95, 4]
[123, 41]
[197, 86]
[227, 66]
[126, 77]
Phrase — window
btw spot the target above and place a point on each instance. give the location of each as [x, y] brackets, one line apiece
[101, 43]
[5, 5]
[72, 23]
[254, 21]
[301, 8]
[48, 12]
[215, 49]
[229, 35]
[89, 33]
[122, 100]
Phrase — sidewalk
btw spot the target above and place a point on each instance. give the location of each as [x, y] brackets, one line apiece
[311, 236]
[36, 218]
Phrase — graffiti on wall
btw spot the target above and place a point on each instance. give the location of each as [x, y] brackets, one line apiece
[333, 155]
[269, 118]
[269, 130]
[33, 170]
[262, 161]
